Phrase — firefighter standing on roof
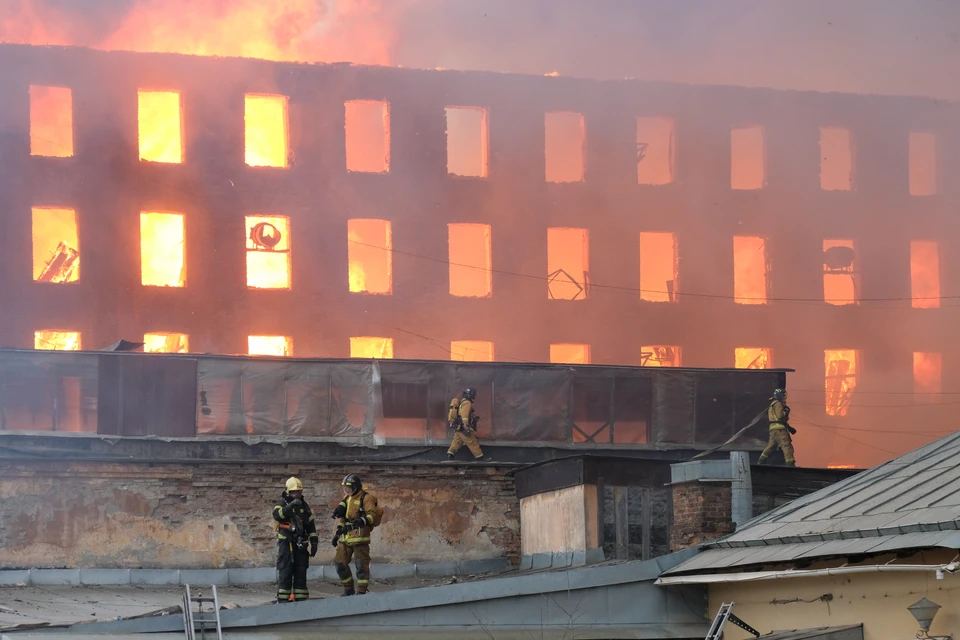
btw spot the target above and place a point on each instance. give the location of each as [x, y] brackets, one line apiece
[356, 516]
[462, 417]
[779, 415]
[296, 531]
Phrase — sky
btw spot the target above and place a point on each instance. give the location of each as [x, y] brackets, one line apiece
[895, 47]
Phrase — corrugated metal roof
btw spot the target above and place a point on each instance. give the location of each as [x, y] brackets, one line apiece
[910, 502]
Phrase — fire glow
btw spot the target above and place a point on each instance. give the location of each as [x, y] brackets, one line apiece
[162, 261]
[159, 126]
[51, 122]
[265, 130]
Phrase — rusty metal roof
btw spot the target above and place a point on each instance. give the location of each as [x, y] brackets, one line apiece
[910, 502]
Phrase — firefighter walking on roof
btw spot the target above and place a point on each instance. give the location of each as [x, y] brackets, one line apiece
[463, 419]
[356, 515]
[779, 415]
[296, 542]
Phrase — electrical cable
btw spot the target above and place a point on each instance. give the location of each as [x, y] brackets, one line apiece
[625, 289]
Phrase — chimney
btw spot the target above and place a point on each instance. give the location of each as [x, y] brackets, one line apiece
[710, 498]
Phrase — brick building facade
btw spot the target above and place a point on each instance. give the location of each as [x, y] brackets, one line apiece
[533, 186]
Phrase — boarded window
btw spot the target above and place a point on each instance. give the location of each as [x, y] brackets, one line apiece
[368, 135]
[471, 351]
[840, 380]
[160, 127]
[927, 376]
[467, 140]
[369, 347]
[568, 260]
[51, 121]
[563, 146]
[658, 267]
[570, 353]
[56, 246]
[268, 252]
[924, 274]
[660, 356]
[923, 164]
[748, 158]
[840, 274]
[370, 256]
[166, 343]
[749, 270]
[836, 159]
[53, 339]
[753, 358]
[270, 345]
[656, 150]
[162, 261]
[266, 131]
[469, 254]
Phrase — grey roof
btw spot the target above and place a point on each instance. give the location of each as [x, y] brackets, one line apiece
[610, 600]
[909, 502]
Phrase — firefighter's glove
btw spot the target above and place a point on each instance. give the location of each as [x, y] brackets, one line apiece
[314, 545]
[791, 430]
[358, 523]
[336, 536]
[340, 511]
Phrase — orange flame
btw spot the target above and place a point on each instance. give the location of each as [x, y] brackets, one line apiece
[841, 379]
[159, 125]
[369, 347]
[51, 122]
[265, 128]
[162, 261]
[359, 31]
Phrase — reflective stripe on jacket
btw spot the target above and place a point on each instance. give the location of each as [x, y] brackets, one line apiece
[353, 507]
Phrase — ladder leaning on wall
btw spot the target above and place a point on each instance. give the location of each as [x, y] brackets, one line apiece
[726, 613]
[201, 620]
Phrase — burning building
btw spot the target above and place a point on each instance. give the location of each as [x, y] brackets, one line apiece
[239, 206]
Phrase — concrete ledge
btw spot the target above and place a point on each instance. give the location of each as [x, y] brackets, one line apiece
[237, 576]
[14, 577]
[104, 576]
[435, 569]
[51, 577]
[561, 560]
[204, 576]
[146, 577]
[254, 576]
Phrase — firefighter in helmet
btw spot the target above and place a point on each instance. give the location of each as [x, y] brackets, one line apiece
[779, 415]
[356, 515]
[296, 542]
[463, 419]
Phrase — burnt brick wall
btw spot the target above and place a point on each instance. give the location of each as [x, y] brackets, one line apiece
[701, 512]
[80, 514]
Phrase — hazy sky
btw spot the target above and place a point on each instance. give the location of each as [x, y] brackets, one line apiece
[909, 47]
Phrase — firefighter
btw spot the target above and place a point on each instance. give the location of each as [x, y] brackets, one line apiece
[296, 531]
[356, 515]
[463, 419]
[779, 415]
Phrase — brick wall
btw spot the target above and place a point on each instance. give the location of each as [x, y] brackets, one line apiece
[85, 514]
[701, 512]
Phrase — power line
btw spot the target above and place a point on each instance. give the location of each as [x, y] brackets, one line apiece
[840, 435]
[620, 288]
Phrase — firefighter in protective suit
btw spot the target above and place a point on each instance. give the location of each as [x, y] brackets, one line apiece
[778, 413]
[463, 419]
[296, 538]
[356, 515]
